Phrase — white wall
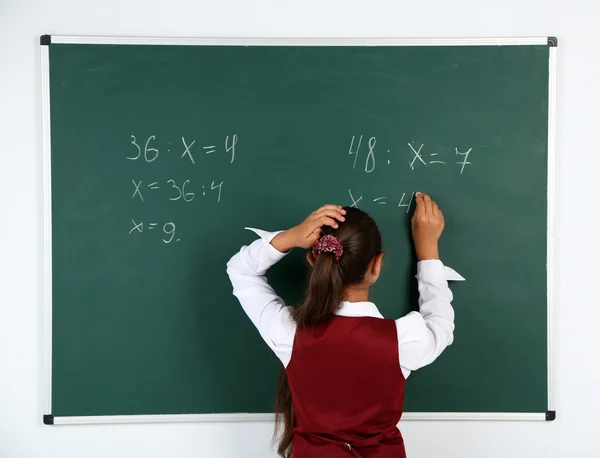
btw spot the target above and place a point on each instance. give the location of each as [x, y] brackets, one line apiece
[574, 434]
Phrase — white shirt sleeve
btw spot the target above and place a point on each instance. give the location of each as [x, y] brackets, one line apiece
[423, 335]
[265, 309]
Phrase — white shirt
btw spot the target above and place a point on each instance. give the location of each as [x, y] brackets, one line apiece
[422, 336]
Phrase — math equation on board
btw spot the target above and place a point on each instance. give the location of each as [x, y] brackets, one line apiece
[169, 189]
[364, 156]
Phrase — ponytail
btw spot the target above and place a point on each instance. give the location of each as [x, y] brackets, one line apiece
[324, 293]
[361, 241]
[285, 418]
[324, 296]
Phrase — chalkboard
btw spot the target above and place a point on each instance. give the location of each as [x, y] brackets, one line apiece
[158, 155]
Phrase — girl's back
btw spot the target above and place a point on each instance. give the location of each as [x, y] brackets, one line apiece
[341, 391]
[347, 386]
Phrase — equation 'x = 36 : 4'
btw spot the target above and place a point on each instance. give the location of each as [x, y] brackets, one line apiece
[177, 191]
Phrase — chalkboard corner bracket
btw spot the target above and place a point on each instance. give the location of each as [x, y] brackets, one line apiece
[45, 40]
[552, 42]
[551, 415]
[48, 419]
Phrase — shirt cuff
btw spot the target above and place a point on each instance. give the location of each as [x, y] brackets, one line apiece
[434, 269]
[269, 254]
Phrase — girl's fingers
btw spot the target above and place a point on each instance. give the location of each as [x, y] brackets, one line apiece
[315, 235]
[313, 225]
[427, 207]
[319, 222]
[330, 207]
[327, 215]
[420, 200]
[332, 213]
[441, 216]
[327, 221]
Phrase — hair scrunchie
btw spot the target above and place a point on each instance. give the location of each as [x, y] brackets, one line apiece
[328, 244]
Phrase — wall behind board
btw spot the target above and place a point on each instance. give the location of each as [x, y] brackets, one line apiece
[573, 434]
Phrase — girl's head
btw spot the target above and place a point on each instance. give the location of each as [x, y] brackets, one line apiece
[331, 280]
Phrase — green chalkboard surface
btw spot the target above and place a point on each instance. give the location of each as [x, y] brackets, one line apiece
[162, 154]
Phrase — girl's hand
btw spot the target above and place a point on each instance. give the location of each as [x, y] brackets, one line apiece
[309, 231]
[427, 227]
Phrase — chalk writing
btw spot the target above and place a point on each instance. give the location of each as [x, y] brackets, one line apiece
[354, 201]
[175, 189]
[371, 155]
[435, 161]
[168, 230]
[137, 190]
[231, 148]
[137, 227]
[465, 162]
[133, 142]
[419, 155]
[178, 190]
[149, 153]
[355, 150]
[219, 187]
[187, 149]
[187, 196]
[405, 202]
[406, 205]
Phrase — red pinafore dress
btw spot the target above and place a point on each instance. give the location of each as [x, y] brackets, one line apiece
[347, 389]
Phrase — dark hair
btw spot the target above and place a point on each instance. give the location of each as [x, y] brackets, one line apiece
[361, 241]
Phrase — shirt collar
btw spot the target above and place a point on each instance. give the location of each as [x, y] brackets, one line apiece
[359, 309]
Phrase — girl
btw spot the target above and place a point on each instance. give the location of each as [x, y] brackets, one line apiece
[342, 391]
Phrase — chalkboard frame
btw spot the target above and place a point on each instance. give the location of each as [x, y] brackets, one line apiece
[47, 40]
